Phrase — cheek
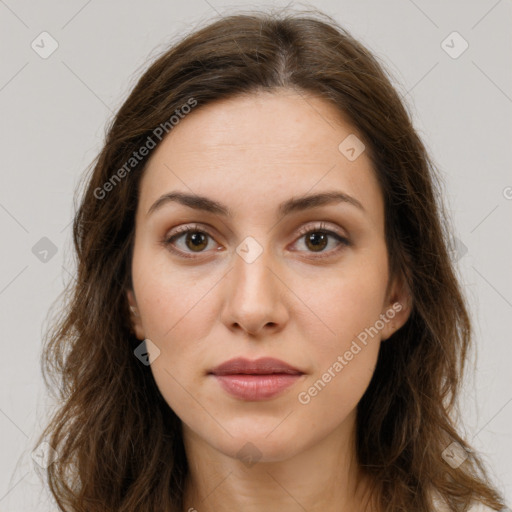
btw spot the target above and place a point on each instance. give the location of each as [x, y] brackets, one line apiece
[345, 304]
[344, 363]
[180, 309]
[172, 300]
[177, 314]
[178, 317]
[331, 397]
[344, 336]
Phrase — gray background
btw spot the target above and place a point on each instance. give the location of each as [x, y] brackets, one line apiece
[54, 113]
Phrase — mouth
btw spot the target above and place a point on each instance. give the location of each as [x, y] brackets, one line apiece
[261, 379]
[262, 366]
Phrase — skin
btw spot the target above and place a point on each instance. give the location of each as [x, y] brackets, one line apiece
[251, 153]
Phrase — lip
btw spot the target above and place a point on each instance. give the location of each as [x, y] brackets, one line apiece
[260, 379]
[261, 366]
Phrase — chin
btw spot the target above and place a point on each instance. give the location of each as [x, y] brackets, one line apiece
[253, 445]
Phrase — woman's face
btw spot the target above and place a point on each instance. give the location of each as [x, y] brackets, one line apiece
[253, 269]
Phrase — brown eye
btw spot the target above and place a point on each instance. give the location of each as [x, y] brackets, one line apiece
[187, 240]
[317, 241]
[318, 238]
[196, 240]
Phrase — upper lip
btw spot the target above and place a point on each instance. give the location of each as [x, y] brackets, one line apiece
[262, 366]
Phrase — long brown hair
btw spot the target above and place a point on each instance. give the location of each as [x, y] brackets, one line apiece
[119, 444]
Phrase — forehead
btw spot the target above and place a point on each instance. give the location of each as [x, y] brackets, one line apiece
[255, 150]
[284, 123]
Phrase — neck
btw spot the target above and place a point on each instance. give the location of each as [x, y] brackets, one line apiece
[323, 477]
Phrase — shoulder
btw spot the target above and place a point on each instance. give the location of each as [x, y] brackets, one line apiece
[476, 507]
[441, 506]
[480, 507]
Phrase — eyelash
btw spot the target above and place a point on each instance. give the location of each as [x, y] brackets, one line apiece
[194, 228]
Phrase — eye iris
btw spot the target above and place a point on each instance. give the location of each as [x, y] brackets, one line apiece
[198, 240]
[319, 241]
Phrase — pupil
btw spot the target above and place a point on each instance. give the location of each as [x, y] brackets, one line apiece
[197, 239]
[318, 240]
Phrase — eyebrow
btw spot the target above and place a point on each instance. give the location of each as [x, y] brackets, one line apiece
[292, 205]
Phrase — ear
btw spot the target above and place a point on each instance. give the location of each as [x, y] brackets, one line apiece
[397, 307]
[135, 320]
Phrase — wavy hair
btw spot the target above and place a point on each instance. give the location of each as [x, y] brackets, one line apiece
[119, 443]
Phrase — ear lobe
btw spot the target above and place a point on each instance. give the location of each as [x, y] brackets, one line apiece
[398, 308]
[135, 320]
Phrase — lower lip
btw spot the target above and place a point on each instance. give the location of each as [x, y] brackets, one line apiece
[257, 387]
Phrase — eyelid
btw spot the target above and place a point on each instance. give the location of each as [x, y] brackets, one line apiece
[172, 235]
[317, 226]
[320, 226]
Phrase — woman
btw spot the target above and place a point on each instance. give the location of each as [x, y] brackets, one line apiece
[265, 316]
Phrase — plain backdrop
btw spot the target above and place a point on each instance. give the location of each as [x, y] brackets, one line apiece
[54, 109]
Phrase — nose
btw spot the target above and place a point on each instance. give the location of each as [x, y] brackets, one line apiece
[255, 297]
